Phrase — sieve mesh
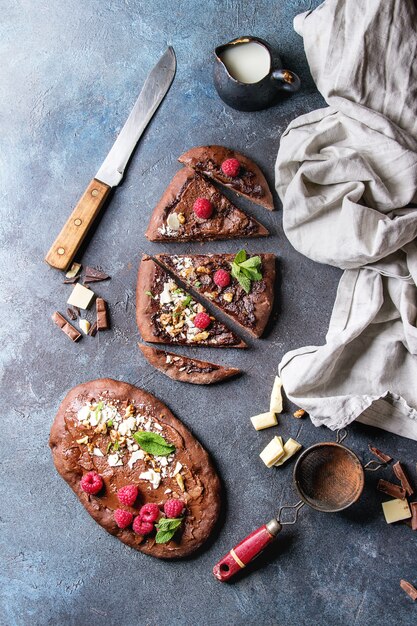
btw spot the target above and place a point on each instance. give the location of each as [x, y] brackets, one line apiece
[329, 477]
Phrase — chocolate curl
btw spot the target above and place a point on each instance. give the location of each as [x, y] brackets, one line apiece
[102, 319]
[65, 326]
[385, 458]
[402, 477]
[390, 489]
[409, 589]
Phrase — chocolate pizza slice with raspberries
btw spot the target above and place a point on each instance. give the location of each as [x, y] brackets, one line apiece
[240, 285]
[192, 209]
[232, 169]
[165, 313]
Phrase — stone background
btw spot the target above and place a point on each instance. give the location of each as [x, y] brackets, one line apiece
[70, 73]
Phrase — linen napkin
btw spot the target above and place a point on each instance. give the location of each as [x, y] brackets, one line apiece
[347, 176]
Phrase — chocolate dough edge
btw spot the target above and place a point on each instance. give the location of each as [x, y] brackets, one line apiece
[61, 441]
[157, 358]
[218, 154]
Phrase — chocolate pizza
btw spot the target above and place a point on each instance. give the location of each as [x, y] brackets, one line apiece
[241, 285]
[232, 169]
[136, 468]
[185, 369]
[192, 209]
[165, 313]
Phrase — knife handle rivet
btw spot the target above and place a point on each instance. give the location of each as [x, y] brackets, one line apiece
[77, 222]
[61, 251]
[94, 193]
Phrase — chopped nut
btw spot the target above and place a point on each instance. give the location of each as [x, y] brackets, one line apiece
[130, 410]
[114, 435]
[211, 295]
[201, 336]
[181, 218]
[90, 447]
[228, 296]
[202, 270]
[165, 318]
[83, 440]
[299, 413]
[101, 428]
[180, 482]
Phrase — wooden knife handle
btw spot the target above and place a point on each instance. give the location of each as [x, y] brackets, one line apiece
[76, 227]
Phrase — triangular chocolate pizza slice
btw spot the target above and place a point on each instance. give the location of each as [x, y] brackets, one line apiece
[241, 285]
[232, 169]
[192, 209]
[165, 313]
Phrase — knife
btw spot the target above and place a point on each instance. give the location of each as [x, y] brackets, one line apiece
[111, 172]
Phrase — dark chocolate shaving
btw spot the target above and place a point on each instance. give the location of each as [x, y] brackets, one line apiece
[409, 589]
[94, 275]
[93, 330]
[72, 314]
[402, 477]
[390, 489]
[385, 458]
[70, 281]
[65, 326]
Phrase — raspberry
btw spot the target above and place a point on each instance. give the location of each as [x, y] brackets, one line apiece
[222, 278]
[141, 527]
[202, 321]
[149, 512]
[127, 495]
[91, 483]
[203, 208]
[123, 518]
[173, 508]
[231, 167]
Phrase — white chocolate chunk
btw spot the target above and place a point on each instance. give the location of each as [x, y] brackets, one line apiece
[173, 222]
[80, 297]
[275, 405]
[114, 460]
[272, 452]
[97, 452]
[396, 510]
[137, 455]
[72, 273]
[291, 447]
[84, 325]
[264, 420]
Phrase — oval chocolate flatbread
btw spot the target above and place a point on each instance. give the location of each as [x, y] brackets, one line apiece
[184, 369]
[94, 430]
[249, 182]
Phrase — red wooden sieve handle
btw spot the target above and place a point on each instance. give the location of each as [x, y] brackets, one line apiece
[246, 551]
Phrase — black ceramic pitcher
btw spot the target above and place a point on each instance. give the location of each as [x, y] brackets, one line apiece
[258, 95]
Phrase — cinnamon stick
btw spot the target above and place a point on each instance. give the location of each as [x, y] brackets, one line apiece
[385, 458]
[409, 589]
[392, 490]
[401, 475]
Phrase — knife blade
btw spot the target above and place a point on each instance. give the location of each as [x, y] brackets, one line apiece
[111, 172]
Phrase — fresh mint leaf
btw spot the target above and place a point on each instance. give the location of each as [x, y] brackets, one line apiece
[197, 284]
[240, 257]
[109, 423]
[186, 302]
[166, 529]
[153, 443]
[244, 282]
[253, 261]
[150, 294]
[109, 445]
[167, 523]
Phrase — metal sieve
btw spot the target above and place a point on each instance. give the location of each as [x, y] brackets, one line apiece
[327, 476]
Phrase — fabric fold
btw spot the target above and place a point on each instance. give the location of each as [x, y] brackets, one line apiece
[347, 178]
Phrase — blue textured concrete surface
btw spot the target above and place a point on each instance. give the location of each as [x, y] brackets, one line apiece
[70, 73]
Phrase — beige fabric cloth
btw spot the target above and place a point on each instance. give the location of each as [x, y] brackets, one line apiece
[346, 175]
